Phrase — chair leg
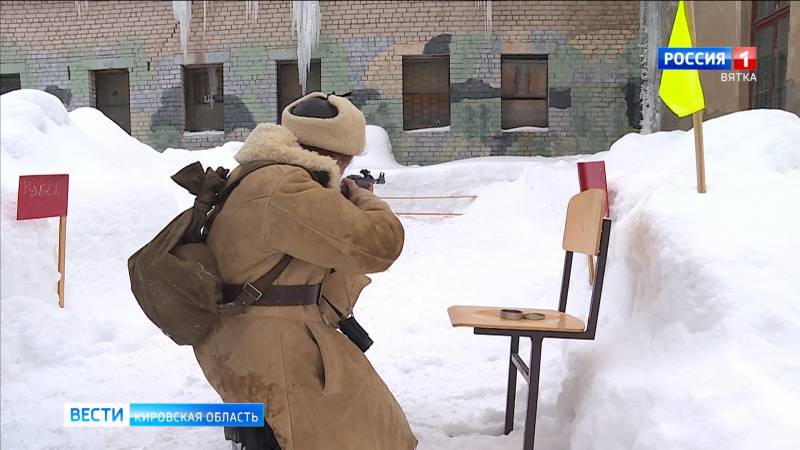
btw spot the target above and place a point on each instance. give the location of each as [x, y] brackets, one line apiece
[512, 386]
[533, 392]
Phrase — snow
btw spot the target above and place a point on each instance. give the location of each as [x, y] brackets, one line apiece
[203, 133]
[377, 152]
[696, 343]
[306, 22]
[527, 130]
[214, 157]
[444, 129]
[182, 11]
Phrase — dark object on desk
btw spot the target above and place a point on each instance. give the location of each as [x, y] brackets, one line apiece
[511, 314]
[533, 316]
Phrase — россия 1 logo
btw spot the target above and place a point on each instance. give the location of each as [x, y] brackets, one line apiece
[744, 58]
[711, 58]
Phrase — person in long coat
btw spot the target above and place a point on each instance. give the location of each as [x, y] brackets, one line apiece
[319, 390]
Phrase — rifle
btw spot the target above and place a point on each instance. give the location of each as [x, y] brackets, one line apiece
[365, 180]
[349, 326]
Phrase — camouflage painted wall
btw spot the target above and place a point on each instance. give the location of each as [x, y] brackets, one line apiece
[592, 48]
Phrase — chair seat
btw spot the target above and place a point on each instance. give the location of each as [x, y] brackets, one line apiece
[489, 317]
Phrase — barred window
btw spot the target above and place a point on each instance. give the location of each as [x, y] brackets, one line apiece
[426, 92]
[203, 97]
[289, 88]
[523, 87]
[771, 39]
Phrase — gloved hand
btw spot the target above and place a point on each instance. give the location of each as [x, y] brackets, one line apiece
[349, 186]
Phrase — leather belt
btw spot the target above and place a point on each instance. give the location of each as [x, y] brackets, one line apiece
[300, 295]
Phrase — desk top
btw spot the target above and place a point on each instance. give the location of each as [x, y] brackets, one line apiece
[489, 317]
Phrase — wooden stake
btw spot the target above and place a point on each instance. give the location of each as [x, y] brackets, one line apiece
[699, 156]
[62, 241]
[697, 118]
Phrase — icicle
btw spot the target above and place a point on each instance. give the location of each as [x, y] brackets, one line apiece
[205, 8]
[306, 20]
[82, 6]
[650, 30]
[182, 10]
[212, 85]
[486, 6]
[251, 9]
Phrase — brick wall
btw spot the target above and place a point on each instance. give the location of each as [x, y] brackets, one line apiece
[592, 48]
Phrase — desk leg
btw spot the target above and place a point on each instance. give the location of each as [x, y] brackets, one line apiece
[511, 393]
[533, 392]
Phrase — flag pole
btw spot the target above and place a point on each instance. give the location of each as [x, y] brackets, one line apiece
[697, 117]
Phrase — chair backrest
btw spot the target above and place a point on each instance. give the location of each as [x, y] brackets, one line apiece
[584, 218]
[586, 231]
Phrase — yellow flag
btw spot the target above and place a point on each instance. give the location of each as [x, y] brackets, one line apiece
[681, 89]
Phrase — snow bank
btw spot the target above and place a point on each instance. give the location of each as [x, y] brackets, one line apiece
[117, 201]
[444, 129]
[526, 129]
[213, 157]
[698, 325]
[701, 316]
[39, 137]
[696, 341]
[377, 152]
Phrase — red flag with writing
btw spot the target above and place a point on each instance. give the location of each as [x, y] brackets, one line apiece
[42, 196]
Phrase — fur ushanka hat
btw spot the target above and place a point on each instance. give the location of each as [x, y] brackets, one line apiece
[328, 122]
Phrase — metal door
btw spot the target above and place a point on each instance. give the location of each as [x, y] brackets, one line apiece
[112, 96]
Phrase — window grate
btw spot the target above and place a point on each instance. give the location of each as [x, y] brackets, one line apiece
[289, 88]
[203, 89]
[426, 92]
[770, 36]
[523, 90]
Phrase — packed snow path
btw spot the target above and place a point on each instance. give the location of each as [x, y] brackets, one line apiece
[699, 322]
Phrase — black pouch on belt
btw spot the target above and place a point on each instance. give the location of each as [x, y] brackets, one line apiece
[353, 330]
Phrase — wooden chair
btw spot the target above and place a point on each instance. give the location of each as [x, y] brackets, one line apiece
[585, 231]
